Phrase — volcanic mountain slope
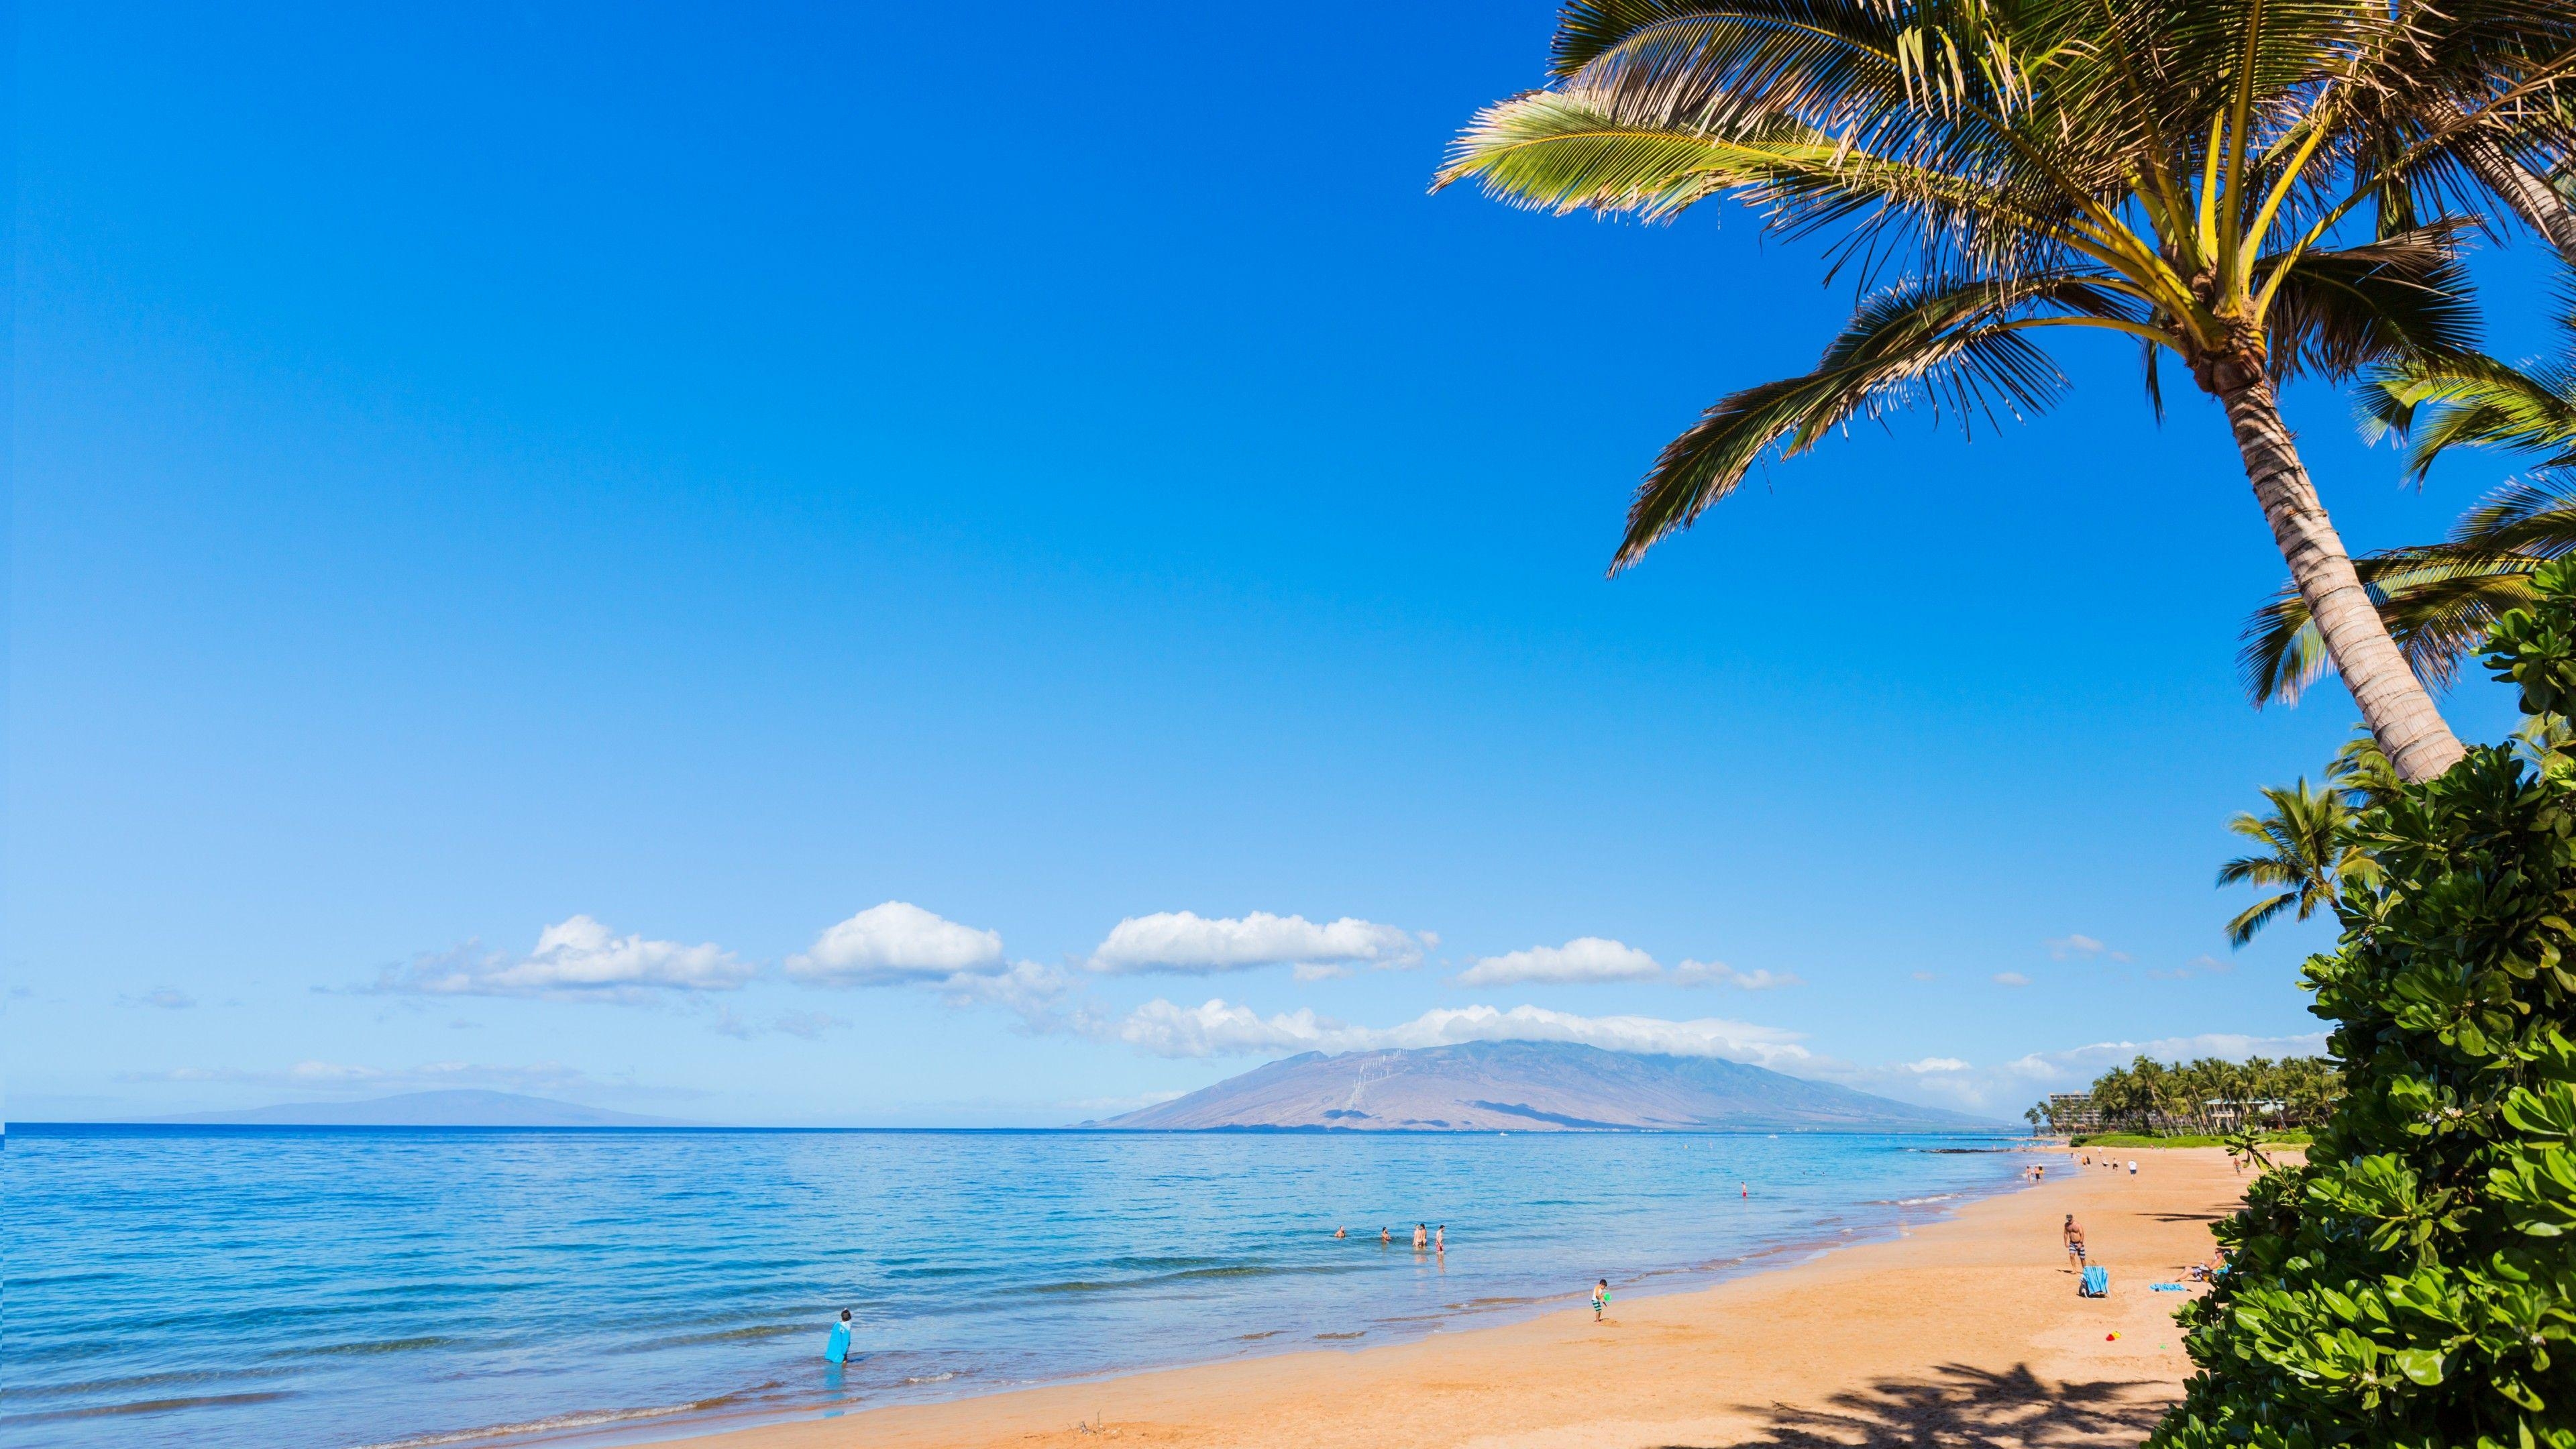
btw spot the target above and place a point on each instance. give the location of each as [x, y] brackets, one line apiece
[1519, 1086]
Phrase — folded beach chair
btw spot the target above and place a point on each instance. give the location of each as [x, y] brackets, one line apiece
[2097, 1282]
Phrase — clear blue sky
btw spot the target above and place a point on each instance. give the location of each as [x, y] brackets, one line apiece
[711, 471]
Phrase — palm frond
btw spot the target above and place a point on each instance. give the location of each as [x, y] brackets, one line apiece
[2402, 298]
[1955, 345]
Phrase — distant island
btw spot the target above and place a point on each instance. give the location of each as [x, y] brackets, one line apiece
[459, 1108]
[1519, 1086]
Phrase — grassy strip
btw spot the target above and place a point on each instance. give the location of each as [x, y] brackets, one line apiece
[2288, 1137]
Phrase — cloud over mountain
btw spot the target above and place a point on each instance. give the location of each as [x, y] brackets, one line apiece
[1184, 943]
[894, 944]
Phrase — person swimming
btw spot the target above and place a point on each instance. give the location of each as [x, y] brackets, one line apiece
[1421, 1236]
[1341, 1232]
[1383, 1236]
[1440, 1238]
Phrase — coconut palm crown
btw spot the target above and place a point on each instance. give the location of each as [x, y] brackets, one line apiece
[2248, 188]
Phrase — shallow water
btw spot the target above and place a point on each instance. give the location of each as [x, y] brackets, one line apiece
[293, 1287]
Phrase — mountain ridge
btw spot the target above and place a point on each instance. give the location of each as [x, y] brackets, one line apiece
[1530, 1087]
[455, 1107]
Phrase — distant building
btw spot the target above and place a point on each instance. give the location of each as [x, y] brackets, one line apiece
[2073, 1112]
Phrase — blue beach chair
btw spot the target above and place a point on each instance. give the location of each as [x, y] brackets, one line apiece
[2096, 1283]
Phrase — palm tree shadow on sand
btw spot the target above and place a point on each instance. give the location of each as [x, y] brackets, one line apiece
[1958, 1407]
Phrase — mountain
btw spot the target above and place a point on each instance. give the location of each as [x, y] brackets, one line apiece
[432, 1109]
[1523, 1086]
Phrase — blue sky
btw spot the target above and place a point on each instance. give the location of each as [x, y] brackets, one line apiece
[673, 480]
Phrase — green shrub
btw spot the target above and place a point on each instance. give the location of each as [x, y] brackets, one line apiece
[2287, 1137]
[2414, 1283]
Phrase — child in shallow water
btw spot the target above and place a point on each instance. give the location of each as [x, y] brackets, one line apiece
[1600, 1299]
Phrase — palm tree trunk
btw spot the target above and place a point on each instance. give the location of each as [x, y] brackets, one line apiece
[2393, 701]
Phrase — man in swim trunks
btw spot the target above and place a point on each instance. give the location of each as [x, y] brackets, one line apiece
[2075, 1242]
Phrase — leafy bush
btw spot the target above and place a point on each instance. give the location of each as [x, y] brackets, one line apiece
[2414, 1283]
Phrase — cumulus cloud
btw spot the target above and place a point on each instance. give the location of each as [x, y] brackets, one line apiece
[2011, 978]
[2076, 946]
[577, 959]
[1221, 1028]
[1585, 958]
[896, 944]
[1187, 944]
[1933, 1064]
[1718, 973]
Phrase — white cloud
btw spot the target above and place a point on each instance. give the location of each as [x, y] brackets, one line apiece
[577, 959]
[2076, 946]
[2011, 978]
[1220, 1028]
[1585, 958]
[1309, 971]
[895, 944]
[1718, 973]
[1933, 1064]
[1185, 943]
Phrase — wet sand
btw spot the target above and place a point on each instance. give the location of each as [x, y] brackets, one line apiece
[1966, 1332]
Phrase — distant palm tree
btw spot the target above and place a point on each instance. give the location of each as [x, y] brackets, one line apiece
[2182, 173]
[2309, 850]
[2440, 599]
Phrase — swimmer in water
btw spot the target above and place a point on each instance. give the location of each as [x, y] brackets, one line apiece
[1385, 1237]
[1440, 1238]
[1341, 1232]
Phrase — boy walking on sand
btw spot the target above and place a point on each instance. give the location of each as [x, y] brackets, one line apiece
[1600, 1299]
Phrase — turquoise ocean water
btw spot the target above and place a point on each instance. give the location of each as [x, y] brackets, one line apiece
[294, 1287]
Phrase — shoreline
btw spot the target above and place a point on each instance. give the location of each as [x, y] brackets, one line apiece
[1969, 1318]
[702, 1423]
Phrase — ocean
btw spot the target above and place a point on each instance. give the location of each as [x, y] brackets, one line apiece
[326, 1288]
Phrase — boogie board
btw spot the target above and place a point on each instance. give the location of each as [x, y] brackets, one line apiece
[837, 1347]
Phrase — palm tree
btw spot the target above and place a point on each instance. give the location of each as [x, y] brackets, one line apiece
[2309, 850]
[2439, 599]
[2184, 173]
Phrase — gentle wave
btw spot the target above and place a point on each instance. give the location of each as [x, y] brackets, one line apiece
[554, 1424]
[145, 1406]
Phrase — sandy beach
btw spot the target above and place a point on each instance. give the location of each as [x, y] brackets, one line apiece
[1966, 1332]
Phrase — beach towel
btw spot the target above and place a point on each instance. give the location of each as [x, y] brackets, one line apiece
[2097, 1282]
[837, 1347]
[2166, 1287]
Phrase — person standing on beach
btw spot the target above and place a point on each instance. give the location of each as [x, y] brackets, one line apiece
[1600, 1299]
[2133, 1167]
[2075, 1242]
